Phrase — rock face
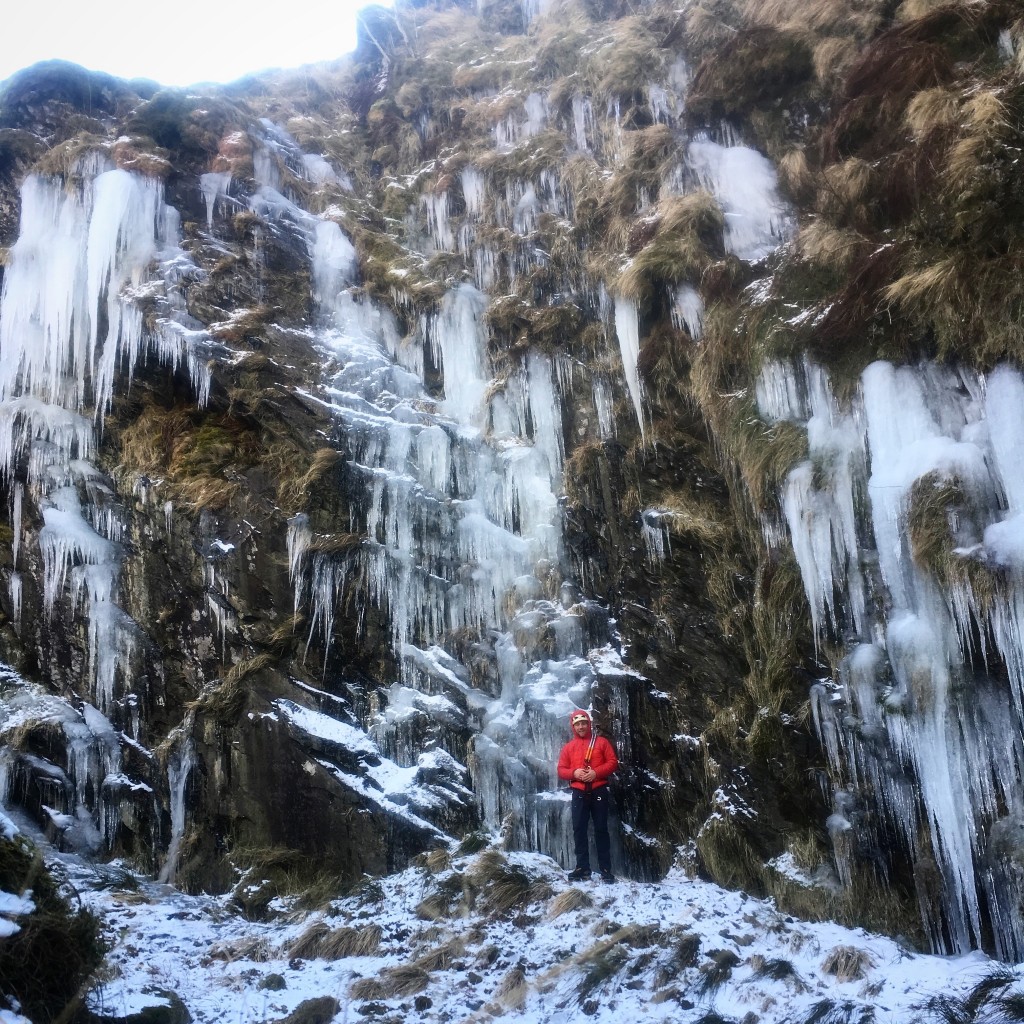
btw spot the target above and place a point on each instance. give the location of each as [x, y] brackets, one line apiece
[357, 424]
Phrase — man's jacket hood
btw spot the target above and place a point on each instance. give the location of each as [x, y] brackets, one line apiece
[577, 713]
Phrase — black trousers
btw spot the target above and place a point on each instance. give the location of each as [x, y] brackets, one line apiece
[587, 807]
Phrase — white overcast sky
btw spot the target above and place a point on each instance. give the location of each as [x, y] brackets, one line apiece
[176, 42]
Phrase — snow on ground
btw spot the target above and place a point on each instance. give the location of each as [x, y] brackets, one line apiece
[494, 935]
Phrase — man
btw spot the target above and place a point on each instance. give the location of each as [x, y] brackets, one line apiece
[585, 763]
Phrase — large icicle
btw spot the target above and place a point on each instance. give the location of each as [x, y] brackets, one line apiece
[627, 330]
[917, 723]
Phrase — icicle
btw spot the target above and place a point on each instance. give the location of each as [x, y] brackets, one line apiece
[50, 434]
[224, 619]
[334, 264]
[326, 587]
[113, 643]
[688, 311]
[213, 185]
[1006, 47]
[14, 585]
[656, 535]
[934, 741]
[603, 406]
[1004, 401]
[17, 499]
[180, 763]
[474, 190]
[320, 172]
[433, 458]
[627, 329]
[533, 9]
[545, 413]
[437, 221]
[782, 392]
[458, 343]
[583, 122]
[460, 528]
[536, 114]
[299, 538]
[820, 495]
[65, 537]
[524, 217]
[658, 101]
[266, 171]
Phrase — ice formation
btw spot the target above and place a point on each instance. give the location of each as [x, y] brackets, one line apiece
[925, 719]
[460, 529]
[71, 318]
[627, 330]
[744, 183]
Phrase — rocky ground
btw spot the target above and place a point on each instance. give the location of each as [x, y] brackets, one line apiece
[478, 936]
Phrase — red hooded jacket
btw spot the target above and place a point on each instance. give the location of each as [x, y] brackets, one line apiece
[574, 755]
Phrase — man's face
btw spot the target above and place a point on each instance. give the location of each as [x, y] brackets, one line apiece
[581, 727]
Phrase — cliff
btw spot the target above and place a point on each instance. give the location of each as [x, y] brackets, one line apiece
[359, 422]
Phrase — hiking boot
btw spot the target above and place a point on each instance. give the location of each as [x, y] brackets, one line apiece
[579, 875]
[607, 876]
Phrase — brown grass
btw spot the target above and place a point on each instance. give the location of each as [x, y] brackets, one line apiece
[847, 963]
[512, 989]
[832, 58]
[568, 902]
[345, 942]
[441, 957]
[930, 109]
[820, 242]
[727, 855]
[686, 238]
[248, 947]
[795, 175]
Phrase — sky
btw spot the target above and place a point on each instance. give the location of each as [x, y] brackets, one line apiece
[180, 43]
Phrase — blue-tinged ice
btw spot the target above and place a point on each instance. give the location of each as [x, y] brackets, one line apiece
[923, 736]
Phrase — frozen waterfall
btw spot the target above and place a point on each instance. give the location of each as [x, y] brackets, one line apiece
[90, 254]
[455, 496]
[925, 719]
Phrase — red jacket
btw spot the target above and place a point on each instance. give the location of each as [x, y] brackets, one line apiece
[574, 755]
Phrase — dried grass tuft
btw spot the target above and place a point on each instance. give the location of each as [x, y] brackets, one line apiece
[307, 945]
[931, 109]
[847, 185]
[686, 238]
[568, 902]
[438, 860]
[929, 289]
[985, 110]
[405, 980]
[913, 10]
[832, 57]
[441, 957]
[795, 174]
[249, 947]
[728, 855]
[821, 243]
[512, 989]
[847, 963]
[368, 990]
[340, 943]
